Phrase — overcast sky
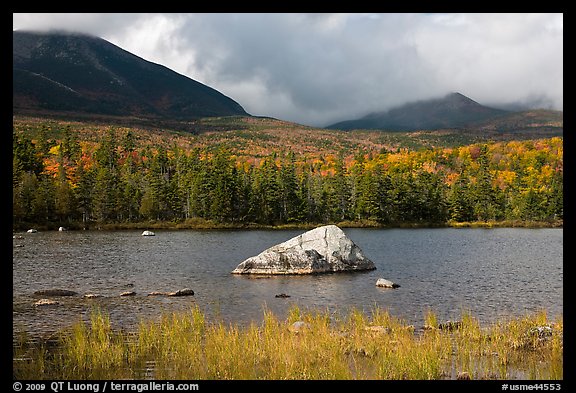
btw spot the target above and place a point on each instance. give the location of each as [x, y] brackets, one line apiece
[317, 69]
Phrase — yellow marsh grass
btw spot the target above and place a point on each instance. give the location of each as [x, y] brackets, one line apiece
[327, 346]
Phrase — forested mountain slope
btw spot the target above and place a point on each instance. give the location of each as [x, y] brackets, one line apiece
[77, 76]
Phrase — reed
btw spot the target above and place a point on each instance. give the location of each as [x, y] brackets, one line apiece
[326, 345]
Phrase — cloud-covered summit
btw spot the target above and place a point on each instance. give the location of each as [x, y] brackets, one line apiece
[318, 69]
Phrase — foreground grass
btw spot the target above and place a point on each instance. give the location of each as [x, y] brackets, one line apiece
[319, 346]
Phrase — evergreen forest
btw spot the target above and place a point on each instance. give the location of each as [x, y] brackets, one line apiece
[64, 176]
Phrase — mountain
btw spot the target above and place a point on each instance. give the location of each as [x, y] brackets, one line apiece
[75, 75]
[452, 111]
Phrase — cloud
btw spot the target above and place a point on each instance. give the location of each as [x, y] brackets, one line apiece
[321, 68]
[497, 58]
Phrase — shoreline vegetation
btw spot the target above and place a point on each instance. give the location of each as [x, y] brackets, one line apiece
[307, 345]
[203, 224]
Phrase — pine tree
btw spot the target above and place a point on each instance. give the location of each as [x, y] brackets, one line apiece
[27, 156]
[223, 193]
[339, 191]
[106, 195]
[290, 202]
[460, 202]
[383, 190]
[267, 201]
[484, 198]
[84, 193]
[64, 200]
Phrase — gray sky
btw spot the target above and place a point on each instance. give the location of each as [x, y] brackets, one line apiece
[317, 69]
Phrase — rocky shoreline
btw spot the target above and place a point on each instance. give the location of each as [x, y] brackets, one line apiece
[56, 292]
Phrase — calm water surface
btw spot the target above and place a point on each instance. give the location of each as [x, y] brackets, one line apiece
[489, 272]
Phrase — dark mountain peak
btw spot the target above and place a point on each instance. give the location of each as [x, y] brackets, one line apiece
[456, 97]
[82, 74]
[459, 99]
[454, 110]
[450, 102]
[28, 45]
[53, 34]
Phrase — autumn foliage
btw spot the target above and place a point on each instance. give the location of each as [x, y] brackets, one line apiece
[270, 173]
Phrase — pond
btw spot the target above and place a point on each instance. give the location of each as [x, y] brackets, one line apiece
[491, 273]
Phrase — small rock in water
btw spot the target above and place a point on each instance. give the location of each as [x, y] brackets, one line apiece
[182, 292]
[92, 296]
[61, 229]
[46, 302]
[128, 293]
[156, 293]
[282, 295]
[148, 233]
[383, 283]
[31, 230]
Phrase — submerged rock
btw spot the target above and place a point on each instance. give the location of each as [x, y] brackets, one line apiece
[55, 292]
[157, 293]
[321, 250]
[182, 292]
[92, 296]
[46, 302]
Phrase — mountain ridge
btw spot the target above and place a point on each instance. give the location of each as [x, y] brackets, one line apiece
[61, 72]
[77, 76]
[452, 111]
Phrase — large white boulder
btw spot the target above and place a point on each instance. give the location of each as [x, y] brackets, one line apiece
[321, 250]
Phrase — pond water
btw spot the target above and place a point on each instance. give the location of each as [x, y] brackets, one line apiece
[491, 273]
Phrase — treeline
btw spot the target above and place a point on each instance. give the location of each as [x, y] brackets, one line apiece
[66, 182]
